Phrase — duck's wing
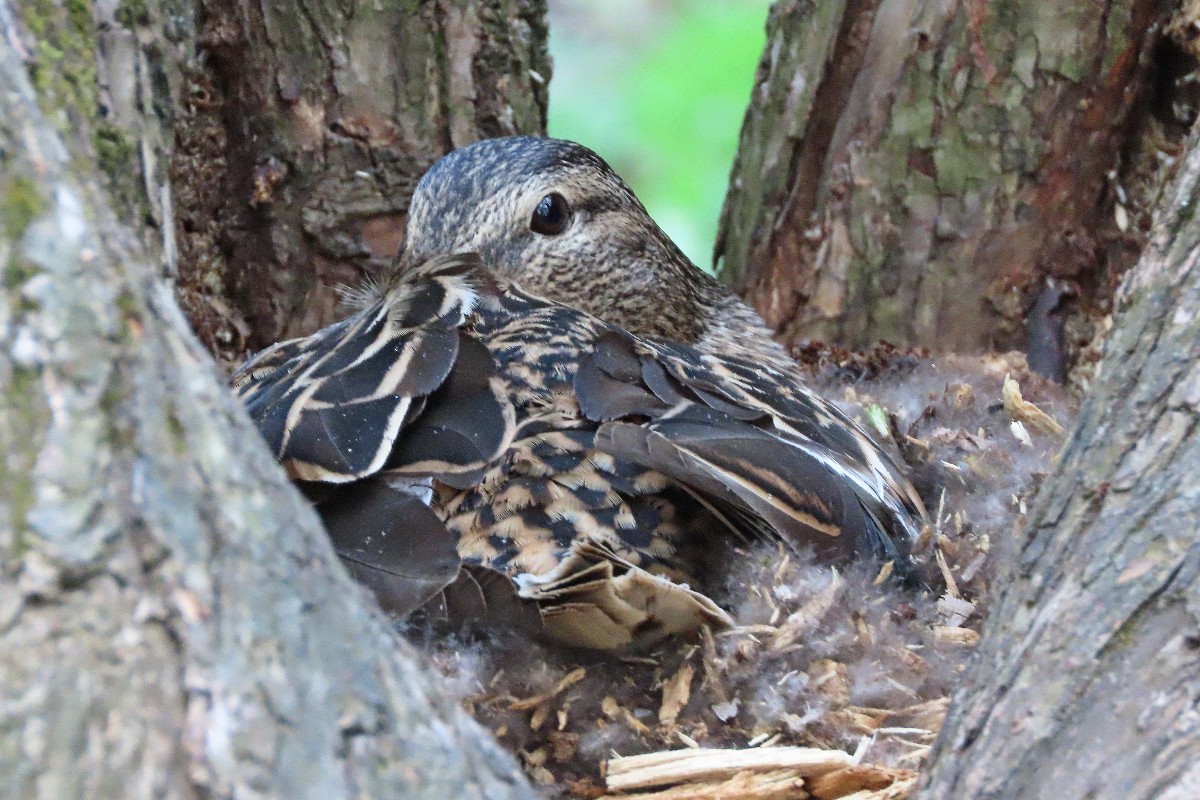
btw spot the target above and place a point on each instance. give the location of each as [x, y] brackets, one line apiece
[399, 389]
[751, 441]
[796, 413]
[332, 406]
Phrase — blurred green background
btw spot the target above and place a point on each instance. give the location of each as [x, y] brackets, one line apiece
[659, 89]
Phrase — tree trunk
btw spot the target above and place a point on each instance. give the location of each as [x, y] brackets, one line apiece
[307, 131]
[173, 621]
[1087, 680]
[946, 174]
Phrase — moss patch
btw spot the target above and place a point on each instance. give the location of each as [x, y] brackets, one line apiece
[64, 62]
[20, 203]
[133, 13]
[117, 159]
[27, 415]
[115, 152]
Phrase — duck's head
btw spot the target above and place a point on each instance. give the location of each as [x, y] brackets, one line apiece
[552, 216]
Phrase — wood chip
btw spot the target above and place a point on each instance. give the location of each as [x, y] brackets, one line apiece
[714, 680]
[682, 766]
[955, 636]
[610, 707]
[773, 785]
[853, 721]
[538, 718]
[676, 692]
[1024, 412]
[568, 680]
[634, 724]
[831, 679]
[542, 776]
[947, 575]
[900, 790]
[857, 778]
[928, 715]
[725, 711]
[955, 610]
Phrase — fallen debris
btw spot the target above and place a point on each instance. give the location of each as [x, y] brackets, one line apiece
[1026, 413]
[770, 772]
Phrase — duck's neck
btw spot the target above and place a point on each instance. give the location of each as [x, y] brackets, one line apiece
[700, 311]
[733, 328]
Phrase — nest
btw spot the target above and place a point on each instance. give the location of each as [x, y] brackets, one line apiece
[834, 682]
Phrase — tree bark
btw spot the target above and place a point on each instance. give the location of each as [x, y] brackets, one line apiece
[1087, 679]
[173, 621]
[945, 174]
[308, 130]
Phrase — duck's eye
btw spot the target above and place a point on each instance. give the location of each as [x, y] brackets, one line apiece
[551, 216]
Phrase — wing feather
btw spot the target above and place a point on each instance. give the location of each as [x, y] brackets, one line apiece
[391, 541]
[748, 440]
[333, 406]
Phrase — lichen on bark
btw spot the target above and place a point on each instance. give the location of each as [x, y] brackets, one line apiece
[928, 173]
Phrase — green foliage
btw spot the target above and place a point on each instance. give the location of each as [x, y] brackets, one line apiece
[660, 91]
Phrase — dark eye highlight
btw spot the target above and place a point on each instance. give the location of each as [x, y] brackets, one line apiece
[551, 216]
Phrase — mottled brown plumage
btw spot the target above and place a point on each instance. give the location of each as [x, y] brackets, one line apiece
[573, 414]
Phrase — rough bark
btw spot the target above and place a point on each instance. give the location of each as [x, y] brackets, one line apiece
[945, 174]
[173, 622]
[307, 131]
[1087, 679]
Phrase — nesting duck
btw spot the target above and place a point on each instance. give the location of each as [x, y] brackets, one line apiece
[551, 414]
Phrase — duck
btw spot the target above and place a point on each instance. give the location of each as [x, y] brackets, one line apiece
[550, 417]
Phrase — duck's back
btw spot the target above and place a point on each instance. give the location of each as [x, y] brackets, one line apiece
[589, 467]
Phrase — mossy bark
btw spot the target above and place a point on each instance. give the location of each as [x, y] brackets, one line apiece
[1087, 678]
[173, 622]
[943, 174]
[315, 120]
[105, 74]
